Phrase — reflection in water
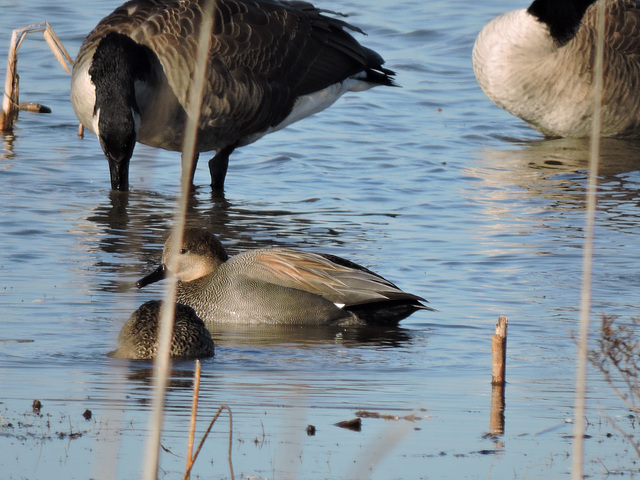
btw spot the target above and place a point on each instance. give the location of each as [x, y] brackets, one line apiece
[136, 224]
[237, 354]
[8, 139]
[496, 414]
[556, 171]
[141, 373]
[311, 335]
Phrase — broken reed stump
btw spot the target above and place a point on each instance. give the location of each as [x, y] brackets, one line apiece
[499, 351]
[10, 104]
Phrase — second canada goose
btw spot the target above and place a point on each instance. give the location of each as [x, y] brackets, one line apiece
[271, 63]
[538, 64]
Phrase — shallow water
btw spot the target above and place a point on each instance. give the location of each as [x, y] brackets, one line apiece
[430, 185]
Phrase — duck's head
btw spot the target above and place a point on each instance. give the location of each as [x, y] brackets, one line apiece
[117, 64]
[200, 254]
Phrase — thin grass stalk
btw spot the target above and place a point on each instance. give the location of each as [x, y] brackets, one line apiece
[57, 47]
[587, 255]
[162, 362]
[194, 414]
[204, 438]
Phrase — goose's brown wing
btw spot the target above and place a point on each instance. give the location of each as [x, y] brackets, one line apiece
[264, 54]
[623, 27]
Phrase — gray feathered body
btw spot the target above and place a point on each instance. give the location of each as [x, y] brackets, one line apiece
[283, 286]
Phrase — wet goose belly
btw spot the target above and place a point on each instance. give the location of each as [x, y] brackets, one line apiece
[312, 103]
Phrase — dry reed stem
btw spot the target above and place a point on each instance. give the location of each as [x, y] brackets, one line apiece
[587, 256]
[9, 110]
[10, 102]
[162, 361]
[194, 413]
[204, 438]
[57, 47]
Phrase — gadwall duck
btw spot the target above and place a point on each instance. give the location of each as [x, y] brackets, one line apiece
[538, 65]
[271, 63]
[280, 286]
[138, 338]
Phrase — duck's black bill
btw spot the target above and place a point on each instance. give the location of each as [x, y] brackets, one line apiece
[155, 276]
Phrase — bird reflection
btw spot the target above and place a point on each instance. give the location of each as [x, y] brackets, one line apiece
[134, 224]
[142, 373]
[556, 170]
[383, 336]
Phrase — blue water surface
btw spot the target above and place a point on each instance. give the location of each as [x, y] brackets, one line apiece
[429, 184]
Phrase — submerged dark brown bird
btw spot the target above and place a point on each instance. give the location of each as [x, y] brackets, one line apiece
[280, 286]
[271, 63]
[138, 338]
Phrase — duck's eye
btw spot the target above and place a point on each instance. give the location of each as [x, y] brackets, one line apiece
[183, 251]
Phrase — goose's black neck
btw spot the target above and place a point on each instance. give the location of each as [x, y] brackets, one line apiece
[117, 64]
[563, 17]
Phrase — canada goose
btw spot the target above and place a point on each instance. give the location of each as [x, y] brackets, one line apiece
[280, 286]
[271, 63]
[538, 65]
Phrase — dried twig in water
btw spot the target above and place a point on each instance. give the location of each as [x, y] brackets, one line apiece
[194, 412]
[629, 437]
[10, 103]
[206, 434]
[617, 356]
